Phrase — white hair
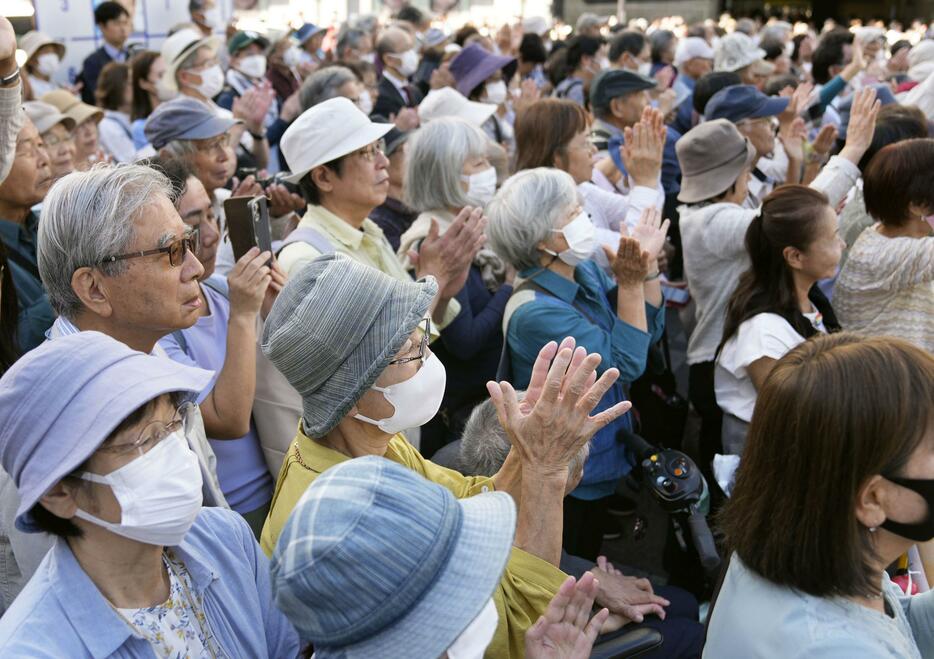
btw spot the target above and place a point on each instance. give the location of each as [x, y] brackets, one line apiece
[484, 444]
[435, 158]
[86, 217]
[524, 212]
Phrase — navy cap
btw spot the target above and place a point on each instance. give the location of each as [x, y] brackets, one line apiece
[307, 31]
[740, 102]
[617, 82]
[184, 118]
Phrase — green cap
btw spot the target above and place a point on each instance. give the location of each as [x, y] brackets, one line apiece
[244, 38]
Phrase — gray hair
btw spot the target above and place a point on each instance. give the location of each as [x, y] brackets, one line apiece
[350, 39]
[435, 157]
[367, 22]
[86, 217]
[484, 444]
[524, 212]
[322, 85]
[180, 148]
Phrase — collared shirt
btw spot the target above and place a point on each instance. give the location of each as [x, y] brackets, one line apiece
[61, 613]
[401, 85]
[116, 54]
[35, 312]
[527, 584]
[585, 309]
[367, 245]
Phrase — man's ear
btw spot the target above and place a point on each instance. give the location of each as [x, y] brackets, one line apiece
[323, 178]
[90, 285]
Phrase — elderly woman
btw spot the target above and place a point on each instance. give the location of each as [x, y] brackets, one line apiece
[359, 513]
[447, 170]
[366, 374]
[886, 286]
[87, 118]
[538, 225]
[834, 486]
[55, 129]
[556, 133]
[138, 568]
[482, 76]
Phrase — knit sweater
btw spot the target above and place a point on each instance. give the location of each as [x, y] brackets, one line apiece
[886, 287]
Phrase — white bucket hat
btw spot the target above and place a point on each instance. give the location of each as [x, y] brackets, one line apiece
[325, 132]
[447, 102]
[736, 51]
[177, 47]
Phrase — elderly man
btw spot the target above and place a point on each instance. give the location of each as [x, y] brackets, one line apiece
[330, 83]
[693, 59]
[354, 45]
[396, 50]
[336, 156]
[25, 186]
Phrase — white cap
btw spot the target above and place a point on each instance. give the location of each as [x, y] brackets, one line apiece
[535, 25]
[736, 51]
[325, 132]
[690, 48]
[447, 102]
[177, 47]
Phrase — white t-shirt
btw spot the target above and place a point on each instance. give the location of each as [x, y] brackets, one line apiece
[763, 335]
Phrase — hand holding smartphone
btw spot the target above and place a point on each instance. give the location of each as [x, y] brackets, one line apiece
[248, 225]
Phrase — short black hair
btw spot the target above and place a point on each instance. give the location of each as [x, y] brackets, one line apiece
[627, 41]
[895, 123]
[777, 83]
[580, 46]
[532, 49]
[829, 53]
[899, 45]
[307, 187]
[109, 11]
[773, 48]
[709, 84]
[411, 14]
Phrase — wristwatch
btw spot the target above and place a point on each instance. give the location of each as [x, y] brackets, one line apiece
[6, 81]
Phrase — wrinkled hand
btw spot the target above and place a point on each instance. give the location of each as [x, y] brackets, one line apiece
[858, 62]
[291, 108]
[642, 149]
[548, 436]
[793, 136]
[7, 47]
[248, 281]
[441, 77]
[800, 98]
[406, 120]
[282, 202]
[566, 630]
[650, 231]
[276, 284]
[631, 264]
[528, 94]
[629, 597]
[824, 141]
[862, 124]
[448, 257]
[253, 104]
[248, 187]
[543, 364]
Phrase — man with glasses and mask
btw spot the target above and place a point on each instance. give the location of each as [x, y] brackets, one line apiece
[338, 160]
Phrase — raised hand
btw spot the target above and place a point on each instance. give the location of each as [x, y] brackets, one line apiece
[862, 124]
[566, 630]
[406, 120]
[800, 98]
[248, 281]
[642, 150]
[448, 257]
[248, 187]
[528, 94]
[650, 231]
[441, 77]
[253, 104]
[283, 202]
[793, 136]
[7, 47]
[824, 141]
[631, 264]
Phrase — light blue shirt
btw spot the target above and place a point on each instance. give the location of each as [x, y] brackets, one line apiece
[61, 613]
[755, 618]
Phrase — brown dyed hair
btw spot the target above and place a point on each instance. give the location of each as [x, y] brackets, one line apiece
[544, 130]
[834, 412]
[111, 85]
[899, 175]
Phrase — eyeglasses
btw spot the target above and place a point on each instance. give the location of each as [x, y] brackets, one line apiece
[219, 142]
[176, 250]
[370, 151]
[152, 434]
[422, 348]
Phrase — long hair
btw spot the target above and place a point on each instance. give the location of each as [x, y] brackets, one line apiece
[9, 315]
[789, 218]
[140, 66]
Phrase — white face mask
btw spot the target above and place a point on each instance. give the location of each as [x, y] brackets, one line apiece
[645, 68]
[253, 66]
[408, 62]
[292, 57]
[415, 401]
[496, 92]
[581, 238]
[366, 102]
[212, 18]
[368, 57]
[212, 82]
[47, 64]
[481, 186]
[473, 641]
[159, 494]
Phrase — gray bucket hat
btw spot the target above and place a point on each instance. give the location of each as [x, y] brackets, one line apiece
[712, 155]
[335, 327]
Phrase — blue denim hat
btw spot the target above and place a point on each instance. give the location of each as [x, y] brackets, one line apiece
[307, 31]
[376, 561]
[743, 102]
[60, 402]
[185, 118]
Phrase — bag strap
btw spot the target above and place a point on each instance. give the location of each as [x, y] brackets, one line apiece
[310, 236]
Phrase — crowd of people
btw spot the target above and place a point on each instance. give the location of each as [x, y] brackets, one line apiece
[400, 429]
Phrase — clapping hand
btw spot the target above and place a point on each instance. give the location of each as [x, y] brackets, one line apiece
[862, 124]
[253, 104]
[826, 138]
[793, 136]
[650, 231]
[448, 257]
[566, 630]
[643, 147]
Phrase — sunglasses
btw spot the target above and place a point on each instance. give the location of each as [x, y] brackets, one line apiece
[176, 250]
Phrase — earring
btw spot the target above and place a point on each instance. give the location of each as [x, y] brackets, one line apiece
[872, 529]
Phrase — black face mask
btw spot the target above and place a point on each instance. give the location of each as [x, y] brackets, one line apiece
[918, 531]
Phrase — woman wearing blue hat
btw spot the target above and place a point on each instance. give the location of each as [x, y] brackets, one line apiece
[138, 567]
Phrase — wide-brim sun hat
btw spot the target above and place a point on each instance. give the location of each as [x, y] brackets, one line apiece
[474, 64]
[60, 401]
[712, 155]
[358, 585]
[335, 327]
[447, 102]
[324, 133]
[34, 40]
[178, 46]
[72, 106]
[45, 116]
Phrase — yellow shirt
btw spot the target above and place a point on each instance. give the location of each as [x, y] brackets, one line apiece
[527, 584]
[367, 245]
